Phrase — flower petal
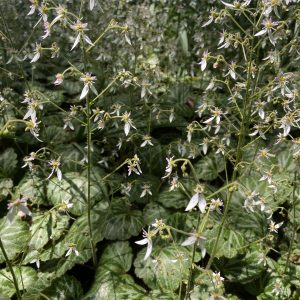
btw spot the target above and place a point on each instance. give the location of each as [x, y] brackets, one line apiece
[84, 92]
[76, 42]
[126, 128]
[142, 242]
[193, 202]
[202, 203]
[92, 4]
[189, 241]
[149, 249]
[263, 31]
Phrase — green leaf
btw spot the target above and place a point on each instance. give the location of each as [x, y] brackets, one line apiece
[6, 185]
[40, 234]
[113, 286]
[161, 295]
[62, 288]
[8, 162]
[33, 188]
[46, 226]
[284, 291]
[153, 211]
[54, 263]
[14, 236]
[122, 221]
[72, 187]
[242, 268]
[173, 199]
[209, 167]
[25, 276]
[79, 235]
[111, 282]
[230, 242]
[169, 267]
[118, 255]
[71, 155]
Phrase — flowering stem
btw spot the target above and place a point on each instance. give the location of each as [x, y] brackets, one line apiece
[294, 223]
[11, 270]
[89, 144]
[246, 114]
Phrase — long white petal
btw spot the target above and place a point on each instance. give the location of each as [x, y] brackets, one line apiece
[202, 203]
[193, 202]
[88, 40]
[189, 241]
[228, 4]
[263, 31]
[149, 249]
[69, 252]
[126, 128]
[94, 90]
[142, 242]
[59, 174]
[76, 41]
[92, 4]
[84, 92]
[36, 57]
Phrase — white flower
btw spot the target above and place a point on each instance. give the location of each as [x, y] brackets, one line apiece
[37, 262]
[125, 189]
[250, 202]
[134, 166]
[212, 17]
[37, 53]
[169, 167]
[268, 28]
[33, 6]
[66, 205]
[88, 81]
[146, 190]
[174, 183]
[80, 28]
[215, 204]
[72, 249]
[54, 164]
[267, 176]
[216, 115]
[59, 79]
[199, 240]
[197, 199]
[217, 279]
[28, 161]
[203, 62]
[147, 240]
[32, 126]
[146, 141]
[127, 122]
[273, 227]
[61, 14]
[205, 145]
[231, 71]
[264, 153]
[237, 4]
[17, 207]
[68, 123]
